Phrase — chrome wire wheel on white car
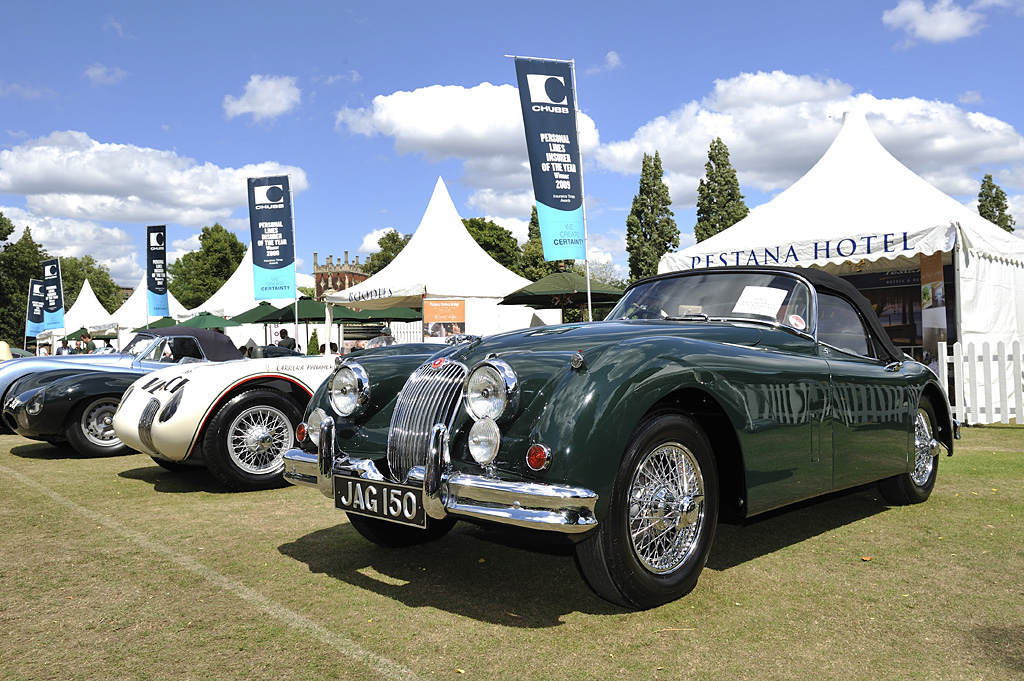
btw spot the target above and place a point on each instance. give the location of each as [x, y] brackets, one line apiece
[917, 483]
[653, 541]
[244, 444]
[666, 509]
[90, 430]
[258, 437]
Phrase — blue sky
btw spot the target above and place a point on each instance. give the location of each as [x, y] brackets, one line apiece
[116, 115]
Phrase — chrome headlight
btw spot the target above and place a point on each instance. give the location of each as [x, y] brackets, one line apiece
[314, 424]
[484, 438]
[349, 389]
[171, 407]
[492, 390]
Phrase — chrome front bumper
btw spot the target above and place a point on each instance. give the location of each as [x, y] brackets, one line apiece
[534, 505]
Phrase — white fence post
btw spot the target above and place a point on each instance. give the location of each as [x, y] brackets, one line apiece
[986, 398]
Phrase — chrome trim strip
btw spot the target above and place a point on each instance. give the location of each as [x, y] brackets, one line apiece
[325, 458]
[300, 467]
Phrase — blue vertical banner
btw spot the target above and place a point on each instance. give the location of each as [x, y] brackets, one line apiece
[53, 296]
[273, 247]
[156, 271]
[549, 116]
[34, 314]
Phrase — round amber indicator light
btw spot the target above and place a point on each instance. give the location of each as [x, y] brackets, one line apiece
[538, 457]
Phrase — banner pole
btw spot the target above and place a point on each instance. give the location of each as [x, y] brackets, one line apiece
[586, 240]
[295, 255]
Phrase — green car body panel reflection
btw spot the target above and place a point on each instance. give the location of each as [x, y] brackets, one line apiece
[730, 391]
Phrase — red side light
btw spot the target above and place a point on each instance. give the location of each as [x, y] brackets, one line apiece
[538, 457]
[300, 432]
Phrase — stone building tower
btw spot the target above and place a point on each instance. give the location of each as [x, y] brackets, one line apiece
[332, 277]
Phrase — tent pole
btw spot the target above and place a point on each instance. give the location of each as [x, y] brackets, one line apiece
[958, 245]
[583, 202]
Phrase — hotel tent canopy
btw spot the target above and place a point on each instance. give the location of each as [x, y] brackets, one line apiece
[87, 312]
[861, 210]
[441, 260]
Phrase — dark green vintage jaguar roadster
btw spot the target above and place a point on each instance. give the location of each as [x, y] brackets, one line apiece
[713, 393]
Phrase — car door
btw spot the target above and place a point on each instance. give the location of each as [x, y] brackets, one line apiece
[868, 406]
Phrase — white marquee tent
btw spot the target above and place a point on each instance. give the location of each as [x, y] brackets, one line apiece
[443, 261]
[87, 312]
[237, 294]
[861, 210]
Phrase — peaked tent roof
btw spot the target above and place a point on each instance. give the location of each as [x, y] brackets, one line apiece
[237, 294]
[134, 312]
[87, 312]
[857, 204]
[441, 259]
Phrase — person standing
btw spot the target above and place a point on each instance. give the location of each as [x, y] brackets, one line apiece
[90, 344]
[64, 348]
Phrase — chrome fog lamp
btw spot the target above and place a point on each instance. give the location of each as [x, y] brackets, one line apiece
[492, 390]
[484, 438]
[349, 389]
[314, 424]
[35, 404]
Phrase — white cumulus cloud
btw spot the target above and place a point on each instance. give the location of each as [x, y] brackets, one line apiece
[264, 97]
[98, 74]
[943, 21]
[481, 125]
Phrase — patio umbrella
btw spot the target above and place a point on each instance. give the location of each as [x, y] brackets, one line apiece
[161, 323]
[561, 290]
[255, 315]
[205, 320]
[394, 314]
[308, 311]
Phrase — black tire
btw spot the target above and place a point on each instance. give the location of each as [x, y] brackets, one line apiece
[916, 485]
[244, 444]
[661, 519]
[90, 431]
[394, 536]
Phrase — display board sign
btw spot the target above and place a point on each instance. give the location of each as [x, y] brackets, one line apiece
[273, 237]
[156, 271]
[549, 116]
[443, 318]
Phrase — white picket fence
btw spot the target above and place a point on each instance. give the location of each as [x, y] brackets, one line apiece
[987, 384]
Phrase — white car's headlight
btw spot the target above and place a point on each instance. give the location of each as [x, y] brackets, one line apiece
[349, 389]
[492, 390]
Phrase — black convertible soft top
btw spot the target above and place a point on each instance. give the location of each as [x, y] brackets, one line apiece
[216, 346]
[823, 281]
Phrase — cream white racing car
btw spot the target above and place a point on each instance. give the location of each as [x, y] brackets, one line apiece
[237, 420]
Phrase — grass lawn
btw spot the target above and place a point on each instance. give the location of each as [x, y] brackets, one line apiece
[113, 568]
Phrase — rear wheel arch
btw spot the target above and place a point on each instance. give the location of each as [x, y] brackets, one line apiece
[293, 390]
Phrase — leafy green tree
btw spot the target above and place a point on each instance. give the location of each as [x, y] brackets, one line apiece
[533, 266]
[197, 275]
[650, 230]
[307, 291]
[719, 201]
[391, 244]
[74, 272]
[497, 241]
[19, 261]
[992, 204]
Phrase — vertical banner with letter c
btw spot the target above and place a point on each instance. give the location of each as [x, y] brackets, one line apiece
[273, 249]
[549, 116]
[34, 314]
[53, 295]
[156, 271]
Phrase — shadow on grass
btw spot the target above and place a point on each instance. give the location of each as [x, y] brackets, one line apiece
[512, 579]
[764, 534]
[44, 451]
[1003, 643]
[187, 481]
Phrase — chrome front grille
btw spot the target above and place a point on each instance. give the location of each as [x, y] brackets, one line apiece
[432, 395]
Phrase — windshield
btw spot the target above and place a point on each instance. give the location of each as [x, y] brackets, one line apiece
[137, 345]
[766, 297]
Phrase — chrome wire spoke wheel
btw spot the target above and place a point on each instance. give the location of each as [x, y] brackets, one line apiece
[258, 438]
[666, 507]
[924, 454]
[98, 423]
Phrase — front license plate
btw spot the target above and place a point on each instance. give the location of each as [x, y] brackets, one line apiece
[388, 501]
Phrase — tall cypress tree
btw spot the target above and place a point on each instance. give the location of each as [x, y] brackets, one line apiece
[719, 201]
[650, 230]
[992, 204]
